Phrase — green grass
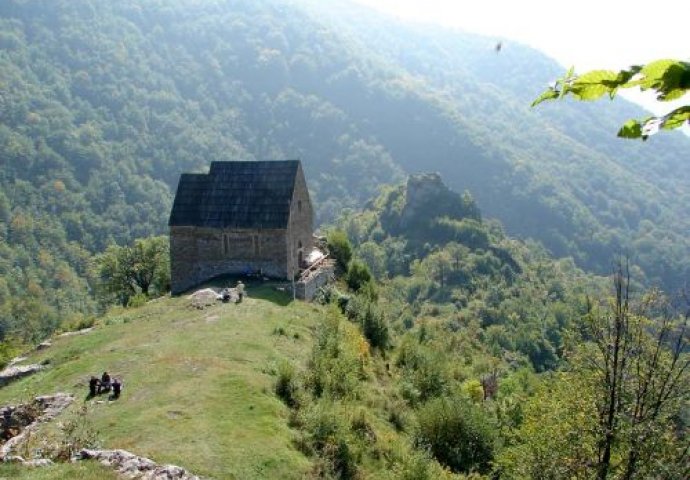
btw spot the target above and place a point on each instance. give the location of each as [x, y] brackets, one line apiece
[198, 384]
[78, 471]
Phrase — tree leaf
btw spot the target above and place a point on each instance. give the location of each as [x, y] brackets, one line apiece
[550, 94]
[593, 85]
[676, 118]
[631, 129]
[670, 78]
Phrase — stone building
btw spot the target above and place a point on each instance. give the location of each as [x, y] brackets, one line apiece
[240, 218]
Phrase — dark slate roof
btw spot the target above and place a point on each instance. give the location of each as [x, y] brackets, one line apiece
[236, 195]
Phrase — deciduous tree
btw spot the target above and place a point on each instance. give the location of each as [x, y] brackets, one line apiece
[122, 272]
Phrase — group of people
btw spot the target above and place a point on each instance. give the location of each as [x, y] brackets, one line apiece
[226, 294]
[105, 385]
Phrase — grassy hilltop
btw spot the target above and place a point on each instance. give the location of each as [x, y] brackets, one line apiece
[198, 387]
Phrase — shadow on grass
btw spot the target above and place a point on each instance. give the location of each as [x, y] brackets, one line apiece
[269, 293]
[254, 288]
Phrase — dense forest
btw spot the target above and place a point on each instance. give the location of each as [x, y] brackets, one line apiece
[103, 105]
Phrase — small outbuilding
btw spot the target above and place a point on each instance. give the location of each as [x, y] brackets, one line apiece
[241, 218]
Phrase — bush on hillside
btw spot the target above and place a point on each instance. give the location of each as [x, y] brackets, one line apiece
[339, 248]
[326, 434]
[425, 372]
[457, 433]
[373, 323]
[467, 232]
[286, 387]
[358, 275]
[338, 359]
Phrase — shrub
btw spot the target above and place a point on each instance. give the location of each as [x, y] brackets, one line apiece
[374, 326]
[78, 322]
[138, 300]
[286, 385]
[425, 372]
[8, 350]
[473, 389]
[326, 434]
[358, 275]
[457, 433]
[339, 247]
[77, 433]
[397, 416]
[418, 465]
[338, 359]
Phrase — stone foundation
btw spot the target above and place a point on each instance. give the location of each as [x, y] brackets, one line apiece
[306, 288]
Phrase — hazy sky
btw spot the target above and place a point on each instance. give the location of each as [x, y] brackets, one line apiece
[585, 33]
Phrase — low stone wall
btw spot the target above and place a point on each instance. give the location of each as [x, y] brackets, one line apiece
[306, 288]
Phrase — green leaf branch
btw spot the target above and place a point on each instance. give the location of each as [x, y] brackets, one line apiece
[669, 79]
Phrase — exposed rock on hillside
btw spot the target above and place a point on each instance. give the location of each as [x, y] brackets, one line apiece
[16, 372]
[24, 419]
[135, 467]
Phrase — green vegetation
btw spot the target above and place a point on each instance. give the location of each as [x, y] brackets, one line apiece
[339, 248]
[76, 471]
[458, 433]
[122, 273]
[669, 79]
[483, 359]
[197, 383]
[615, 414]
[471, 323]
[104, 105]
[442, 327]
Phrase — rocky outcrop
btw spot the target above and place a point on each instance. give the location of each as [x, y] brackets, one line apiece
[423, 188]
[126, 463]
[83, 331]
[53, 405]
[424, 195]
[15, 372]
[50, 407]
[136, 467]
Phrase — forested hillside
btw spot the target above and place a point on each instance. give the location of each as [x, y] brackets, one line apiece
[104, 104]
[468, 355]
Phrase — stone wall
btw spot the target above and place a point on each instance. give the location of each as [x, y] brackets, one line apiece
[199, 254]
[306, 289]
[301, 227]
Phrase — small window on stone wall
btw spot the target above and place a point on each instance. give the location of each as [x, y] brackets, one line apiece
[226, 244]
[299, 205]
